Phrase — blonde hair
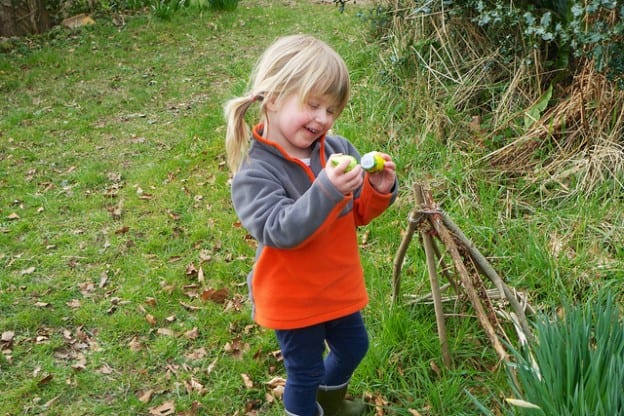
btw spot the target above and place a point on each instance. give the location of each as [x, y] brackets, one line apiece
[293, 64]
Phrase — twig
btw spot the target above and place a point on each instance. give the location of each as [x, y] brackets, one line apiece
[489, 272]
[400, 256]
[447, 239]
[435, 288]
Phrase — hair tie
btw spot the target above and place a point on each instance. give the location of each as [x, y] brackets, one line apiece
[255, 97]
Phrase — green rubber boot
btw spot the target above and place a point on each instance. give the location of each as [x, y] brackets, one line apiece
[318, 413]
[332, 400]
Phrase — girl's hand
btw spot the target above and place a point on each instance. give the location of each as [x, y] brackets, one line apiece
[345, 182]
[383, 181]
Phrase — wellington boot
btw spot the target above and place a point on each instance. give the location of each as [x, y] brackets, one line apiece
[319, 411]
[332, 400]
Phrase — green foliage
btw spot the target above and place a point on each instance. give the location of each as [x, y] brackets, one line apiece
[565, 31]
[227, 5]
[165, 9]
[576, 366]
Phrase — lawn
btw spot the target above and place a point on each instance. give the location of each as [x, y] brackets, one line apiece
[123, 265]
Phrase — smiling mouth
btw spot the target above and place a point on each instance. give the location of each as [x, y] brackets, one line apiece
[313, 131]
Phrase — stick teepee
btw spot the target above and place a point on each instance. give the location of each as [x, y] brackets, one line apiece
[435, 227]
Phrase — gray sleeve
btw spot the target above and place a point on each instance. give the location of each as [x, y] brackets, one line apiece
[273, 217]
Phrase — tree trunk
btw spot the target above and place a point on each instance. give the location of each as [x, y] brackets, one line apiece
[23, 17]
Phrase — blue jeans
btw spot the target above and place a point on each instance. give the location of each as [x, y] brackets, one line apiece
[307, 368]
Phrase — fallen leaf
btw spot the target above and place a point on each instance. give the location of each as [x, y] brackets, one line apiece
[135, 344]
[190, 308]
[198, 354]
[193, 385]
[122, 230]
[104, 369]
[146, 396]
[29, 270]
[7, 336]
[167, 408]
[13, 216]
[192, 334]
[215, 295]
[247, 381]
[166, 331]
[212, 366]
[150, 319]
[236, 348]
[45, 380]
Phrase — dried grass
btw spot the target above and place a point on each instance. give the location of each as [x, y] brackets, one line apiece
[582, 137]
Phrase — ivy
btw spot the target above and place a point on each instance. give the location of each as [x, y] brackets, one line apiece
[569, 31]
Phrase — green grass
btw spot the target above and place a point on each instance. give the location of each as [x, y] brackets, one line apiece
[112, 158]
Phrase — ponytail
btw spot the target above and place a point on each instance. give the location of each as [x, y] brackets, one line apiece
[237, 134]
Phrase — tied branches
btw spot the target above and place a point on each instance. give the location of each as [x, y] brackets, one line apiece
[435, 227]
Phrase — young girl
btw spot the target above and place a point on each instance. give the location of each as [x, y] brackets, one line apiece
[303, 209]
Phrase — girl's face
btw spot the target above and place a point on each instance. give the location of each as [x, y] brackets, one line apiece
[295, 125]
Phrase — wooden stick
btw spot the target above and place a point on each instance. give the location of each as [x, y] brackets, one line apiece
[448, 241]
[400, 256]
[489, 271]
[435, 287]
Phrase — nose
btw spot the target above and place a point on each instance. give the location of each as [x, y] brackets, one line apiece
[322, 116]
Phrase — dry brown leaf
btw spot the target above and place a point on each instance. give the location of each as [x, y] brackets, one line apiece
[81, 363]
[192, 334]
[122, 230]
[7, 337]
[173, 215]
[197, 354]
[215, 295]
[146, 396]
[29, 270]
[276, 381]
[45, 380]
[236, 348]
[212, 366]
[135, 344]
[150, 319]
[278, 392]
[247, 381]
[190, 270]
[193, 385]
[104, 369]
[166, 331]
[167, 408]
[190, 308]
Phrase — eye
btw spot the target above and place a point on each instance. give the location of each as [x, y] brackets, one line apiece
[313, 106]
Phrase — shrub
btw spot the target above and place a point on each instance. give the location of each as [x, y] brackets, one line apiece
[566, 30]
